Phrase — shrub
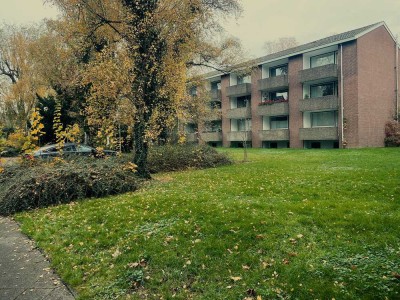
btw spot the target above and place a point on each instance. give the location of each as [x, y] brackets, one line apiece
[392, 134]
[17, 140]
[181, 157]
[42, 184]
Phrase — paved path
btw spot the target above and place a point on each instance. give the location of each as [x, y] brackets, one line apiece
[24, 272]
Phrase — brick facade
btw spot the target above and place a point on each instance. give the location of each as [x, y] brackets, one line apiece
[368, 62]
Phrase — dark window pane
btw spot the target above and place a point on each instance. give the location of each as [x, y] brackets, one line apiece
[243, 101]
[279, 122]
[278, 71]
[324, 119]
[323, 90]
[323, 59]
[283, 95]
[215, 85]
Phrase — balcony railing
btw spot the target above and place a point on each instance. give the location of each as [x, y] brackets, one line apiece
[239, 113]
[318, 133]
[238, 90]
[191, 137]
[273, 83]
[212, 136]
[238, 136]
[321, 103]
[213, 114]
[275, 108]
[274, 135]
[321, 72]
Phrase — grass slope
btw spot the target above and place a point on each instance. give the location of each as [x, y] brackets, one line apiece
[289, 224]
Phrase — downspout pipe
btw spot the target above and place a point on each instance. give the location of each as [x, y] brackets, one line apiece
[397, 80]
[341, 96]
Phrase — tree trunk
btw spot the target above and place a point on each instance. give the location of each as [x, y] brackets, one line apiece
[141, 149]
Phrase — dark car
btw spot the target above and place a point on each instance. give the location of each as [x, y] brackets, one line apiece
[9, 152]
[70, 149]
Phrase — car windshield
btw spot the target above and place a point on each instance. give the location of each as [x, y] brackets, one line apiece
[69, 148]
[49, 149]
[83, 148]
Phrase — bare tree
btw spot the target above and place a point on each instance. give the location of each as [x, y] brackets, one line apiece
[280, 44]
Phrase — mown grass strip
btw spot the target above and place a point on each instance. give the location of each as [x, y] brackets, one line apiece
[288, 224]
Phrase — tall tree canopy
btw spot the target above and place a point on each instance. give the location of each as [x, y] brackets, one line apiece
[280, 44]
[141, 51]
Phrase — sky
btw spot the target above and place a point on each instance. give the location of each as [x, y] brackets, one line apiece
[262, 20]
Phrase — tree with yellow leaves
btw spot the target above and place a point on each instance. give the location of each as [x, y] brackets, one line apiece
[155, 41]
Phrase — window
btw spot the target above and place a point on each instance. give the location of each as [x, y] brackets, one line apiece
[216, 85]
[281, 122]
[273, 145]
[215, 105]
[278, 71]
[69, 148]
[213, 126]
[281, 95]
[315, 145]
[83, 148]
[323, 59]
[243, 101]
[325, 89]
[193, 91]
[243, 79]
[244, 125]
[324, 119]
[241, 125]
[190, 128]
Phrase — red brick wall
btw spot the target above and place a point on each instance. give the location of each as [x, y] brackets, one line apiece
[376, 86]
[350, 93]
[256, 121]
[295, 94]
[225, 105]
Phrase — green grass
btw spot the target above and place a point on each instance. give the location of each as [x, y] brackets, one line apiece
[289, 224]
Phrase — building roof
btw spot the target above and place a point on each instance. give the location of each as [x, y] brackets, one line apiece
[321, 43]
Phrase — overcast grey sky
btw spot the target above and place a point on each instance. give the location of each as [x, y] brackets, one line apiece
[264, 20]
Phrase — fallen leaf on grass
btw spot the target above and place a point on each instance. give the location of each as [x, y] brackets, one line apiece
[133, 265]
[236, 278]
[116, 253]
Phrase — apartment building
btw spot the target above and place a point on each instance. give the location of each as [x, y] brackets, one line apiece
[331, 93]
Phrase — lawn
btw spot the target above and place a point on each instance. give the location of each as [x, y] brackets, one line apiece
[288, 224]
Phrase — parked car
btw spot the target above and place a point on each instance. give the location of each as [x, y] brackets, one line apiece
[9, 152]
[69, 149]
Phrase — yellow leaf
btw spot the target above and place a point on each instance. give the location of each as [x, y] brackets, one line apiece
[236, 278]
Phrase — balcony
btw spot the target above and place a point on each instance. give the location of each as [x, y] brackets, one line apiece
[274, 135]
[321, 103]
[239, 136]
[327, 72]
[214, 114]
[275, 109]
[216, 95]
[191, 137]
[212, 136]
[239, 113]
[318, 133]
[273, 83]
[238, 90]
